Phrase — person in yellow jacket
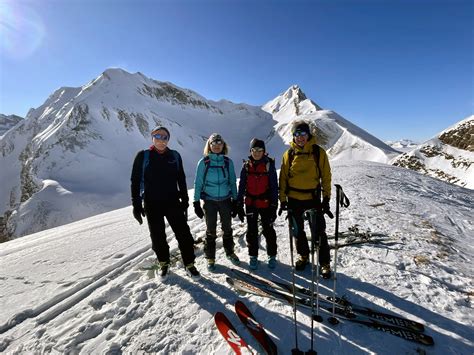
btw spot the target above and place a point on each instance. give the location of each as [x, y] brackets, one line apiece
[303, 183]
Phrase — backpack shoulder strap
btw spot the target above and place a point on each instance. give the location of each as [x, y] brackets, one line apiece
[291, 157]
[146, 160]
[177, 157]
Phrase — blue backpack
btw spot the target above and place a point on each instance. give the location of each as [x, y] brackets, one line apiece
[146, 160]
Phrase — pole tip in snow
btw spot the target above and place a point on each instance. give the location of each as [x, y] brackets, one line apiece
[333, 320]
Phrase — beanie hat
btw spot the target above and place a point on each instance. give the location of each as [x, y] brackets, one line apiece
[215, 137]
[158, 128]
[302, 127]
[257, 143]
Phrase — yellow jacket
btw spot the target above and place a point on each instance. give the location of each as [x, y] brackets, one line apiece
[304, 173]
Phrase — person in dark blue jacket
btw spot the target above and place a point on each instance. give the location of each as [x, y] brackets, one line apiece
[165, 195]
[215, 183]
[258, 189]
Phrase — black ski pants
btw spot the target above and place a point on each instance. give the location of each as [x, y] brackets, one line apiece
[298, 207]
[211, 210]
[155, 214]
[252, 214]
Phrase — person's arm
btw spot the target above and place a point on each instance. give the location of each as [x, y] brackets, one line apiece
[283, 181]
[242, 184]
[325, 174]
[199, 180]
[136, 177]
[232, 180]
[183, 188]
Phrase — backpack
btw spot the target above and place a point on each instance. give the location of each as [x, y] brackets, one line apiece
[315, 151]
[258, 184]
[207, 164]
[146, 161]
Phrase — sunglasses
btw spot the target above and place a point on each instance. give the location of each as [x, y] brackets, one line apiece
[214, 143]
[300, 134]
[161, 137]
[257, 150]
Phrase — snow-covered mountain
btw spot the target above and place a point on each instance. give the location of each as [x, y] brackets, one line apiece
[7, 122]
[449, 156]
[403, 145]
[79, 289]
[71, 157]
[342, 139]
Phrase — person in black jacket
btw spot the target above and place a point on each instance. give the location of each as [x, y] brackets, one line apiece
[165, 194]
[258, 188]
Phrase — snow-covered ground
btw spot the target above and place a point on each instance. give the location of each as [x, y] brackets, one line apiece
[78, 288]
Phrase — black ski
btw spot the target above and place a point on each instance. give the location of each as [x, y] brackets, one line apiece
[352, 308]
[263, 290]
[347, 306]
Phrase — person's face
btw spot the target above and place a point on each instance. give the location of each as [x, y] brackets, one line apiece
[160, 139]
[257, 153]
[217, 146]
[301, 138]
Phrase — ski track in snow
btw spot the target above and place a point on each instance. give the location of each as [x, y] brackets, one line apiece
[79, 288]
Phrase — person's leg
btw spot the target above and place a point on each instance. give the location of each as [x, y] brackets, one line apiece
[156, 225]
[210, 213]
[225, 211]
[179, 225]
[268, 231]
[252, 230]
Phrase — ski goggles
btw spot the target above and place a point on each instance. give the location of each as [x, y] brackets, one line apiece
[300, 134]
[161, 137]
[257, 150]
[216, 142]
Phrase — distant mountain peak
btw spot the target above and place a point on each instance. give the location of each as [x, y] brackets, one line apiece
[293, 101]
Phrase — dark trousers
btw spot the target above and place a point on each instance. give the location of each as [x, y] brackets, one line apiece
[155, 214]
[224, 209]
[298, 207]
[252, 230]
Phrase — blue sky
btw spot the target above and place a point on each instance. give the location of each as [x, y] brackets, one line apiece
[398, 69]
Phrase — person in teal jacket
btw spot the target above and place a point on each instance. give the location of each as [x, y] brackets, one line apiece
[215, 183]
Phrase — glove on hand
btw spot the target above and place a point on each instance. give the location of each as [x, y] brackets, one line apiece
[234, 210]
[184, 204]
[138, 212]
[283, 207]
[326, 208]
[273, 213]
[240, 211]
[198, 210]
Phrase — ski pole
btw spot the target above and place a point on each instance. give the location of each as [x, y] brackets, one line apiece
[310, 214]
[293, 230]
[343, 201]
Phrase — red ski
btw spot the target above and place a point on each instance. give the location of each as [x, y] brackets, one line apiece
[255, 328]
[230, 334]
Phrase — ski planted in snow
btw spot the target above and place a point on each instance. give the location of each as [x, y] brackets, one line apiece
[230, 334]
[271, 292]
[255, 328]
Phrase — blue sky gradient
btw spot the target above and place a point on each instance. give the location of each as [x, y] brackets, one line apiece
[398, 69]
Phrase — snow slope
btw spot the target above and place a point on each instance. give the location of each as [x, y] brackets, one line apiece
[78, 288]
[449, 156]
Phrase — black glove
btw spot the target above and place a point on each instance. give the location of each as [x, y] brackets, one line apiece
[240, 211]
[234, 210]
[283, 207]
[184, 204]
[273, 213]
[198, 210]
[326, 208]
[138, 211]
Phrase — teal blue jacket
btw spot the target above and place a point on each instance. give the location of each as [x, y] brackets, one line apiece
[215, 180]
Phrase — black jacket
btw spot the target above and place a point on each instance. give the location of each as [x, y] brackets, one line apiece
[165, 180]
